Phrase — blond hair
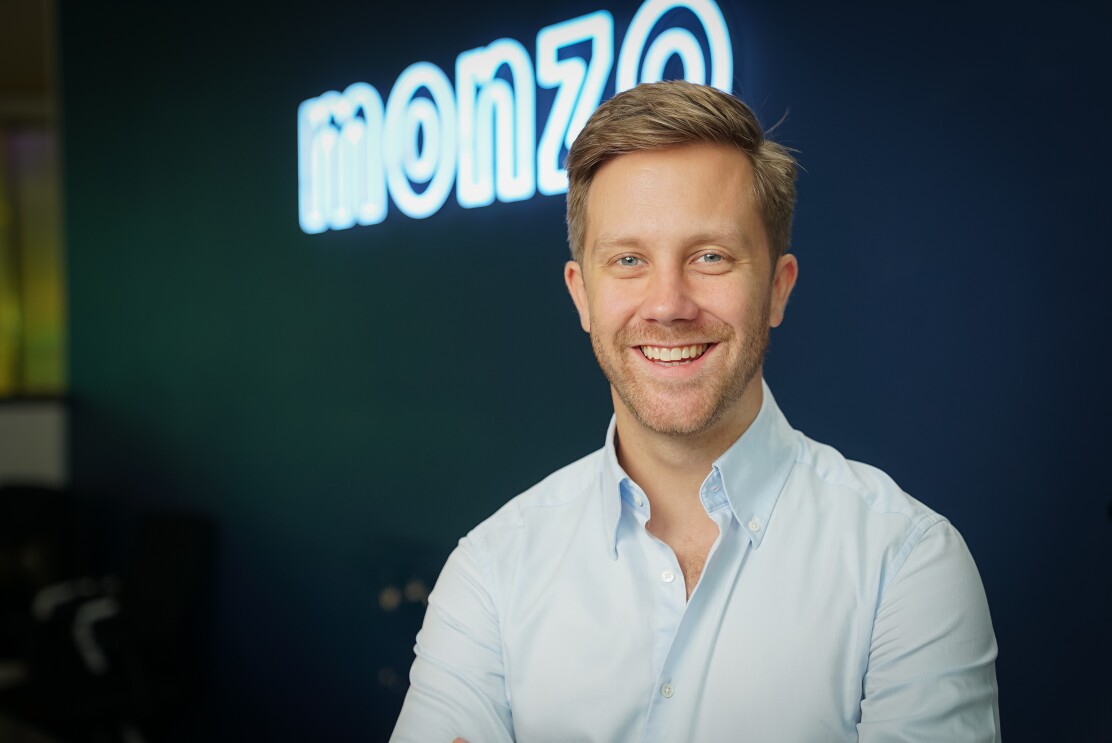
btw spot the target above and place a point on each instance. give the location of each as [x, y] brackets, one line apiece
[654, 116]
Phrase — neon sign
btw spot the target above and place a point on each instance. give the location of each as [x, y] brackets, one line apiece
[356, 152]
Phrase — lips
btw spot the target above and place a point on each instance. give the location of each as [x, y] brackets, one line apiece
[674, 354]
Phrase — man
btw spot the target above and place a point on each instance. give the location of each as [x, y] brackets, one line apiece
[710, 574]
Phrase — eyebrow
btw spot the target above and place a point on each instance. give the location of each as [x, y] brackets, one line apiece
[614, 240]
[608, 240]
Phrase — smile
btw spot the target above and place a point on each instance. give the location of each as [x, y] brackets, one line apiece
[675, 355]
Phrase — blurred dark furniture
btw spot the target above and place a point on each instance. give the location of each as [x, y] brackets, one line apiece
[99, 658]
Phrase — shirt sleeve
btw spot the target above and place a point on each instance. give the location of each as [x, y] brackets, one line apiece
[457, 683]
[932, 672]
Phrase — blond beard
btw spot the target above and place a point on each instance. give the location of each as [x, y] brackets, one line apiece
[714, 398]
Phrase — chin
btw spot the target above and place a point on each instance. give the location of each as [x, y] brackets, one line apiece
[675, 422]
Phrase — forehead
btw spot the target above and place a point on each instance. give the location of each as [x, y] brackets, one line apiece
[672, 195]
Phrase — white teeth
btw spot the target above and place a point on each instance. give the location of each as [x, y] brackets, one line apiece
[658, 353]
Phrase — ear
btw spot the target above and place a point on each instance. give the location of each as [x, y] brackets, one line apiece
[783, 280]
[573, 277]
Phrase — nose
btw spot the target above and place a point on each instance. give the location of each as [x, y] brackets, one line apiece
[669, 298]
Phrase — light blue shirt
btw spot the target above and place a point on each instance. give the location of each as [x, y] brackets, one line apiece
[832, 607]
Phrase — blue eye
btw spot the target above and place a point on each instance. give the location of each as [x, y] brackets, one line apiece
[710, 258]
[629, 261]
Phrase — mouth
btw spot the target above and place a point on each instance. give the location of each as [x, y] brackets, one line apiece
[674, 355]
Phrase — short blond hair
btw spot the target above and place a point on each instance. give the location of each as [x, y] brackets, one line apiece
[655, 116]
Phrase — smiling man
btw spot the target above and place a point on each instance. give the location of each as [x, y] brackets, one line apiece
[709, 574]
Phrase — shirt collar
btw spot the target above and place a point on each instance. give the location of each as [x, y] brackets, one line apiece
[615, 486]
[748, 477]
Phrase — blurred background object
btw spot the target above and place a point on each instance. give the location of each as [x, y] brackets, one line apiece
[39, 544]
[88, 658]
[32, 286]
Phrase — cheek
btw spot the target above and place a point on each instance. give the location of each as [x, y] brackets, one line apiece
[739, 309]
[611, 311]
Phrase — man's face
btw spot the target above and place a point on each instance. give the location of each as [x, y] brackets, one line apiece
[676, 287]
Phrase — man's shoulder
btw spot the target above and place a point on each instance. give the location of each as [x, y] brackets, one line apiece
[864, 486]
[564, 490]
[835, 504]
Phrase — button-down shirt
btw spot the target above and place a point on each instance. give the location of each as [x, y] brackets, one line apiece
[832, 607]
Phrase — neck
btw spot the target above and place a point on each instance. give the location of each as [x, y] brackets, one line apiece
[670, 468]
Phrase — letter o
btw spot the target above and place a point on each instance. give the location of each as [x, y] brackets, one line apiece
[676, 41]
[403, 113]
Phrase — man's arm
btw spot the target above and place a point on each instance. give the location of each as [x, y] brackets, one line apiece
[457, 683]
[932, 672]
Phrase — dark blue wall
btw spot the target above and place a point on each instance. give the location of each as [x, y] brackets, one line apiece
[347, 405]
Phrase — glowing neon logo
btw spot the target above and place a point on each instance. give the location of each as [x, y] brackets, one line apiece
[482, 134]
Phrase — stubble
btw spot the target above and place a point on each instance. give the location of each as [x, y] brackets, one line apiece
[691, 406]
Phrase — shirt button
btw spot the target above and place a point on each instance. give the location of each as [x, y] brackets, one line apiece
[638, 499]
[667, 691]
[668, 576]
[754, 525]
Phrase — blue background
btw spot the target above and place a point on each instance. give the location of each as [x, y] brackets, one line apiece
[347, 405]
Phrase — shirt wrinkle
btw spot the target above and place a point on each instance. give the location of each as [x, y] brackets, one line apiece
[915, 537]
